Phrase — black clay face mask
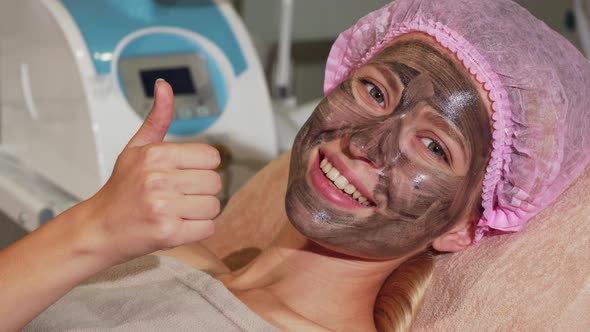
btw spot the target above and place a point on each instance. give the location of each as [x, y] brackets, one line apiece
[393, 157]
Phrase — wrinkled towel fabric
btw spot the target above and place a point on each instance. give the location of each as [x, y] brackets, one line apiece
[151, 293]
[537, 82]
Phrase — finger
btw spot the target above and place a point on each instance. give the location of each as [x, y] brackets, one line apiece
[196, 207]
[197, 182]
[191, 155]
[195, 230]
[156, 124]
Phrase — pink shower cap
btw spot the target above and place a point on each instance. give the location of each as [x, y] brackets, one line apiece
[537, 82]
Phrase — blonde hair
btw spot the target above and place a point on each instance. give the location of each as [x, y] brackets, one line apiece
[402, 294]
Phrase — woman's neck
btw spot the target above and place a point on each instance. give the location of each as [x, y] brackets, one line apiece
[330, 290]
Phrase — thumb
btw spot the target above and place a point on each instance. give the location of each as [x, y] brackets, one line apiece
[156, 124]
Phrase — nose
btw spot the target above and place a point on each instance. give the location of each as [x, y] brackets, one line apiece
[374, 144]
[364, 145]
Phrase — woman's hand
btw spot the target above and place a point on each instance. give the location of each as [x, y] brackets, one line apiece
[160, 195]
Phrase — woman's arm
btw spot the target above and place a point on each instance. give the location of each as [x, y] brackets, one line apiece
[160, 195]
[41, 267]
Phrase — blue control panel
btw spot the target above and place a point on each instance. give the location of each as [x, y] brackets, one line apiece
[103, 24]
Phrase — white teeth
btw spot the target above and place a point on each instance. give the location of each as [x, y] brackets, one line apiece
[342, 183]
[349, 189]
[333, 174]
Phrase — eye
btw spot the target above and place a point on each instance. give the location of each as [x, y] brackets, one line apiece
[434, 147]
[375, 93]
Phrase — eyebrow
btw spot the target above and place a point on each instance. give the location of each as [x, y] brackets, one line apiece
[390, 73]
[404, 72]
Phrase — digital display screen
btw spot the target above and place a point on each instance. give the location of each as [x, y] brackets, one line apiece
[179, 78]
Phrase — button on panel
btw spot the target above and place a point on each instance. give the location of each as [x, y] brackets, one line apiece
[183, 112]
[203, 111]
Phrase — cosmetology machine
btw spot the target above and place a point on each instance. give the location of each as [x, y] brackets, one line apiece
[76, 81]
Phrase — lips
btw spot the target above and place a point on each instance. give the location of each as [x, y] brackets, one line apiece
[337, 184]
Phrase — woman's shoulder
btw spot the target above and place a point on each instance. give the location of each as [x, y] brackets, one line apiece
[197, 256]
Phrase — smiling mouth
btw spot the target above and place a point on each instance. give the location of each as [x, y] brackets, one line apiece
[343, 184]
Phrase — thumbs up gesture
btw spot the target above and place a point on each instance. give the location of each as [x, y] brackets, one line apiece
[161, 194]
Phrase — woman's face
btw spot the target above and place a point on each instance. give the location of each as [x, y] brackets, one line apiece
[394, 156]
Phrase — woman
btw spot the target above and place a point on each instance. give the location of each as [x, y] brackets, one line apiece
[429, 105]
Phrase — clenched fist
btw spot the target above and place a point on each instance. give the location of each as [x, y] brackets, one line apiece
[160, 195]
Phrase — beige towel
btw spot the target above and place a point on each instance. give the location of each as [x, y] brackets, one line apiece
[151, 293]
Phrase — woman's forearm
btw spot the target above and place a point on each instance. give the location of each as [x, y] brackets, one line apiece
[40, 268]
